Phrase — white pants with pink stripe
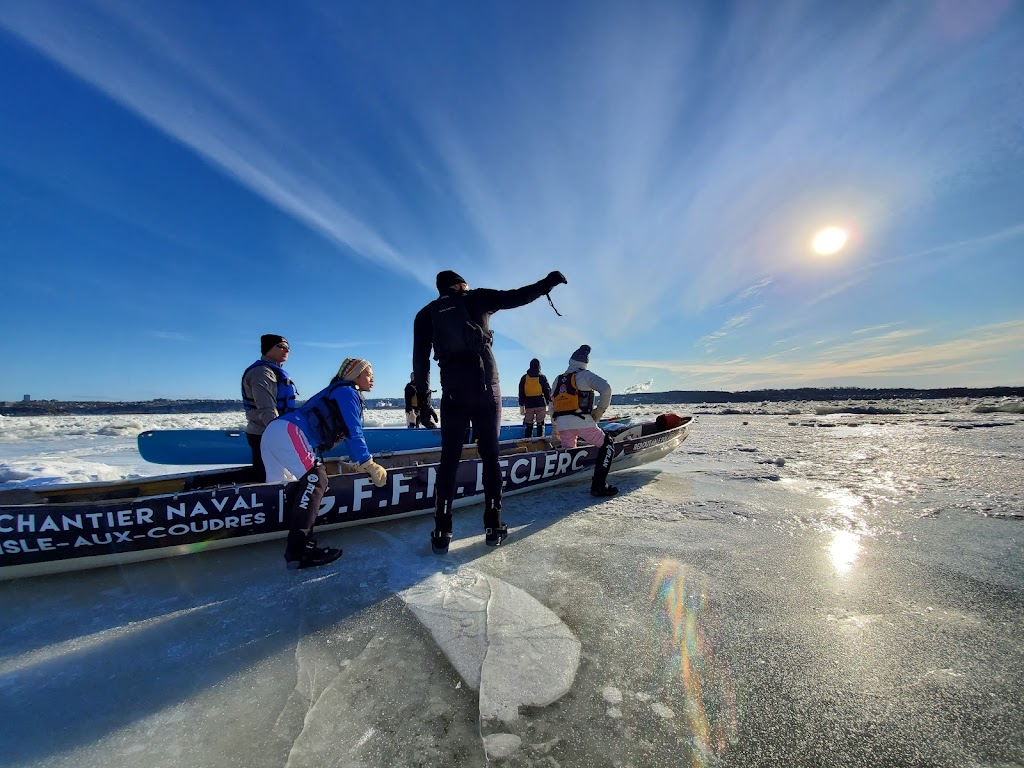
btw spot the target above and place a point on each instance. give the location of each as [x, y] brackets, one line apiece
[286, 452]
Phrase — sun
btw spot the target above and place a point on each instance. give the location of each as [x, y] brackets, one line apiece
[829, 241]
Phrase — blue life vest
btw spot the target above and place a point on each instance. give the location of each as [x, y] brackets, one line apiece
[323, 415]
[286, 390]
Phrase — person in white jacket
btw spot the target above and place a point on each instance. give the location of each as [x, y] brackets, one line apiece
[575, 414]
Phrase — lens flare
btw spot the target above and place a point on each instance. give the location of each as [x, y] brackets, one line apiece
[708, 690]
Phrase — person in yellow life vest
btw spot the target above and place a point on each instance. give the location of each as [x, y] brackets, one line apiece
[534, 397]
[575, 415]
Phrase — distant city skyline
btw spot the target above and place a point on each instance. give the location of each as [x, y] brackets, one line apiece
[179, 178]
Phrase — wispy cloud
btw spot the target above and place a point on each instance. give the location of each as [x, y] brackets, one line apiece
[756, 288]
[506, 154]
[890, 357]
[966, 247]
[734, 322]
[170, 336]
[216, 109]
[872, 329]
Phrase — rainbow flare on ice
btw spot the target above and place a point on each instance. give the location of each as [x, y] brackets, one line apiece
[708, 690]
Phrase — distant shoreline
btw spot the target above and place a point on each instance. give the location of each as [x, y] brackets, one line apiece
[805, 394]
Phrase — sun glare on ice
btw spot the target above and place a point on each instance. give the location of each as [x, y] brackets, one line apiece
[829, 241]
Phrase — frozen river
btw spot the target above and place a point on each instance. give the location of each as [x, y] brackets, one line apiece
[792, 586]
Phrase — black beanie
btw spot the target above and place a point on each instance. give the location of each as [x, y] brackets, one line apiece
[268, 341]
[582, 354]
[447, 279]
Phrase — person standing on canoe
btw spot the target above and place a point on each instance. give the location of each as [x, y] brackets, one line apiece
[574, 415]
[534, 396]
[456, 326]
[267, 392]
[292, 445]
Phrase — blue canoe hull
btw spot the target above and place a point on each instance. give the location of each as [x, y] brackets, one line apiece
[229, 446]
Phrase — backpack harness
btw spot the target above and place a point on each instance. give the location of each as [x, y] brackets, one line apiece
[454, 333]
[324, 416]
[568, 400]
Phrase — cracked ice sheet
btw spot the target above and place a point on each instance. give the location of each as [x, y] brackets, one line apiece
[502, 642]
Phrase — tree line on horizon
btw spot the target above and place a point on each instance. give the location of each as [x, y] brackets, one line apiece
[800, 394]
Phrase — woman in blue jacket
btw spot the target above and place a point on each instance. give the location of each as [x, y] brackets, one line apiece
[293, 443]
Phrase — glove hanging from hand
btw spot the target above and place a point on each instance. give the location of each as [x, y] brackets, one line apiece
[377, 473]
[598, 412]
[522, 410]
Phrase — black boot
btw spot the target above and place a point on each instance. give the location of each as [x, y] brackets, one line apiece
[439, 541]
[302, 501]
[492, 513]
[528, 432]
[494, 536]
[441, 536]
[307, 554]
[599, 485]
[494, 531]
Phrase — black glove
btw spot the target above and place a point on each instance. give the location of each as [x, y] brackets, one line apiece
[555, 278]
[428, 417]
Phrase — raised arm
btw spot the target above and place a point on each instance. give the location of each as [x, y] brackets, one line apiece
[491, 300]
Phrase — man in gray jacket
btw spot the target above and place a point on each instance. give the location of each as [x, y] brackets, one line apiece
[267, 392]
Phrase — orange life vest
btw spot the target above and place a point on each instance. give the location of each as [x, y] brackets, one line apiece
[568, 399]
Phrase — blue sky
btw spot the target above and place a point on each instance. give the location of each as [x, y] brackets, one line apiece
[178, 178]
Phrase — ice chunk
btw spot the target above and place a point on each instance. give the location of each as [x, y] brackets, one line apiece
[501, 641]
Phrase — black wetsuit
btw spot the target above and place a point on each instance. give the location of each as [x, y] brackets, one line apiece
[470, 390]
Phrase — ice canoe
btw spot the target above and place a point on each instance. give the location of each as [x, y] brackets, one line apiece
[50, 529]
[229, 446]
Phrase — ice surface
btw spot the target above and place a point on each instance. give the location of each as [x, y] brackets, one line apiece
[859, 603]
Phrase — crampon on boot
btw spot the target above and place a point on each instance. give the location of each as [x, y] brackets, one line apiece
[310, 556]
[439, 541]
[494, 536]
[607, 490]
